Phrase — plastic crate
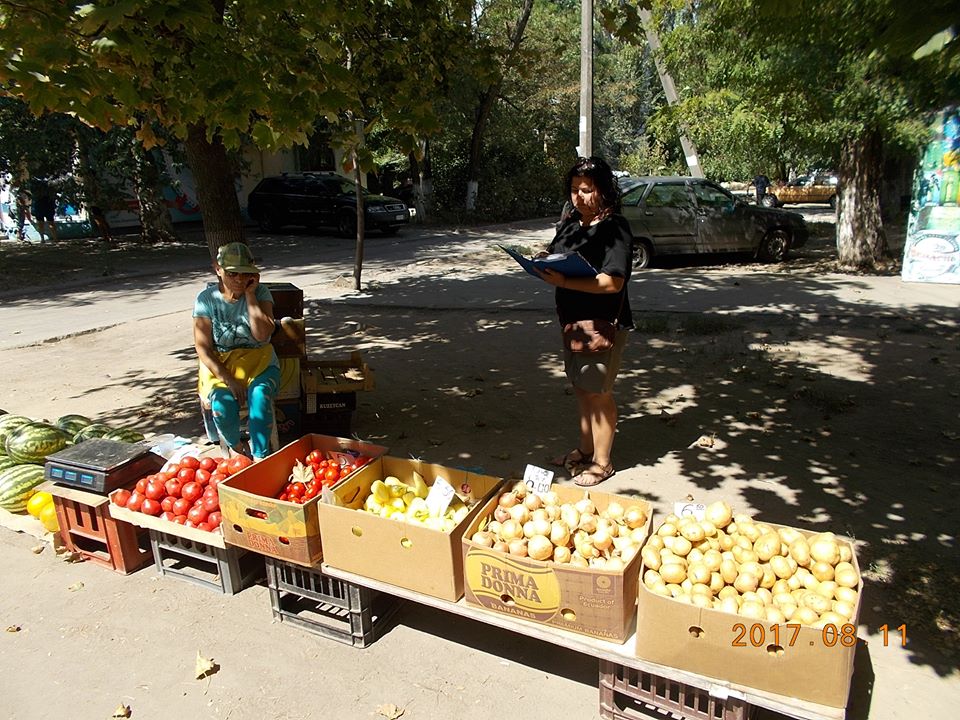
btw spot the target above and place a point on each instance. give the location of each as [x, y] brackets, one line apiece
[227, 570]
[626, 693]
[87, 528]
[326, 606]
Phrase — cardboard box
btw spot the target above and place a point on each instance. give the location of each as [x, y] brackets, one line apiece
[289, 379]
[287, 299]
[589, 601]
[206, 537]
[409, 556]
[795, 661]
[254, 519]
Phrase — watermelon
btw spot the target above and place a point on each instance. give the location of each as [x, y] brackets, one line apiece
[94, 430]
[17, 484]
[124, 435]
[72, 424]
[31, 443]
[8, 424]
[6, 462]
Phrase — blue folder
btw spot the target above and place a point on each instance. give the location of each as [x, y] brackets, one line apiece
[571, 264]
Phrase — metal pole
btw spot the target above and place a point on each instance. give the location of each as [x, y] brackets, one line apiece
[689, 149]
[585, 148]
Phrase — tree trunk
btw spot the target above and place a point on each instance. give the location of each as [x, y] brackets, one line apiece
[487, 102]
[861, 242]
[216, 192]
[155, 223]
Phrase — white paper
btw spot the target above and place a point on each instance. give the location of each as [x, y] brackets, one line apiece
[538, 479]
[439, 497]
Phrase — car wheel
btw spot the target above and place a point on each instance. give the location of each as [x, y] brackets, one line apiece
[833, 202]
[642, 254]
[769, 201]
[775, 246]
[347, 224]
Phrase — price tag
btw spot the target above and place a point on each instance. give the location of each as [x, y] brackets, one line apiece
[538, 479]
[439, 497]
[695, 510]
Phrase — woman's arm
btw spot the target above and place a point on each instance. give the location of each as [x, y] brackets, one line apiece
[601, 284]
[260, 311]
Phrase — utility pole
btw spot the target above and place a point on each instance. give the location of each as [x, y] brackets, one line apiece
[670, 90]
[585, 148]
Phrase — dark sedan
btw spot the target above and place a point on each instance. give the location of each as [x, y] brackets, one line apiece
[322, 199]
[683, 215]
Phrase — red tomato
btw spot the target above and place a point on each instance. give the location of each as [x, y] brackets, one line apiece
[135, 500]
[282, 496]
[214, 519]
[211, 503]
[202, 476]
[197, 514]
[324, 464]
[331, 475]
[186, 475]
[216, 478]
[347, 469]
[150, 507]
[314, 456]
[175, 468]
[297, 489]
[181, 506]
[204, 526]
[173, 487]
[191, 491]
[189, 462]
[169, 516]
[180, 519]
[189, 523]
[120, 497]
[238, 463]
[208, 463]
[311, 492]
[141, 486]
[155, 489]
[210, 492]
[167, 504]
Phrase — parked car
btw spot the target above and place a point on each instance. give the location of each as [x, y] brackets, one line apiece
[819, 187]
[321, 199]
[683, 215]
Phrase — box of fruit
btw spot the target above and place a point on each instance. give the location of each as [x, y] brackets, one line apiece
[401, 521]
[271, 506]
[566, 557]
[182, 498]
[764, 606]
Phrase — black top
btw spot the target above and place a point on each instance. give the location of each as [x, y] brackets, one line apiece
[607, 246]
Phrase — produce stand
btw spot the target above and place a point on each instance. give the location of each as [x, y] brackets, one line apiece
[620, 654]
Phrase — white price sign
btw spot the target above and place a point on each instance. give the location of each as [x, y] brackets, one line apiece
[439, 497]
[538, 479]
[690, 509]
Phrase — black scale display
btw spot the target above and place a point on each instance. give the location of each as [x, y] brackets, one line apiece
[100, 465]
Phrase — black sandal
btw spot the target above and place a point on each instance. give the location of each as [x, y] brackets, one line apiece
[572, 459]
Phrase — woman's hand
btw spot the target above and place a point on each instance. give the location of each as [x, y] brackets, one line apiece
[553, 277]
[253, 281]
[238, 389]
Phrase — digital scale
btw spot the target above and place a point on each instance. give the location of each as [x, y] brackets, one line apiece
[101, 465]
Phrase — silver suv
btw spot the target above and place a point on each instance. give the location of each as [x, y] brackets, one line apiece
[683, 215]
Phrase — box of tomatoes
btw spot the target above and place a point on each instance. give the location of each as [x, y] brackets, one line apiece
[271, 506]
[181, 499]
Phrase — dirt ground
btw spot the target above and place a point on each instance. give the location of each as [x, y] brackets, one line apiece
[846, 421]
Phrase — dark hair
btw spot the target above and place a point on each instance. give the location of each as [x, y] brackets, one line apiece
[597, 169]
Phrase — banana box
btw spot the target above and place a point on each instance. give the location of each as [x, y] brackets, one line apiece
[590, 600]
[255, 519]
[382, 526]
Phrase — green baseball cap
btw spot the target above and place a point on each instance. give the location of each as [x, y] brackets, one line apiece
[236, 257]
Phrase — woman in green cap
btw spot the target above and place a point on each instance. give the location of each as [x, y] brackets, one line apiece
[232, 325]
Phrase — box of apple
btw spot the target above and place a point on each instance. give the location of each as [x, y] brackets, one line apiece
[184, 492]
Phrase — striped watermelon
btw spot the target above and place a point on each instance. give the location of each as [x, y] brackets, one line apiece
[31, 443]
[72, 424]
[124, 435]
[94, 430]
[17, 484]
[7, 462]
[8, 424]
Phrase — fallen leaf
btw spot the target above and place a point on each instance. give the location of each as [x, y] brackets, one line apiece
[76, 586]
[13, 628]
[37, 549]
[204, 666]
[390, 711]
[122, 711]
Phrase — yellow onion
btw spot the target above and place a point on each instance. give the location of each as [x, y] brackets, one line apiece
[634, 517]
[511, 530]
[501, 546]
[561, 554]
[559, 533]
[483, 538]
[519, 513]
[586, 506]
[539, 547]
[532, 502]
[518, 547]
[507, 500]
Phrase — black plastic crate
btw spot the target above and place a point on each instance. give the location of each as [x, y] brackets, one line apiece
[227, 570]
[626, 693]
[333, 608]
